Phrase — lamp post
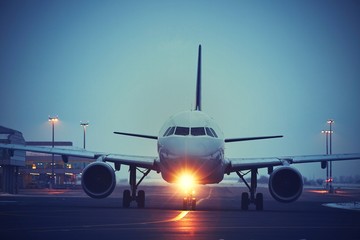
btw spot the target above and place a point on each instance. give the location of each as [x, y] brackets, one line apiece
[327, 132]
[52, 120]
[330, 122]
[84, 125]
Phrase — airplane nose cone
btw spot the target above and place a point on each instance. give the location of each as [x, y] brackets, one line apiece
[191, 147]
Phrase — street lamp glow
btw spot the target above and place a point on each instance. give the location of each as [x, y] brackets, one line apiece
[53, 119]
[84, 124]
[327, 132]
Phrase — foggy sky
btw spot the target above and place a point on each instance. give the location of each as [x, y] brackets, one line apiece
[269, 67]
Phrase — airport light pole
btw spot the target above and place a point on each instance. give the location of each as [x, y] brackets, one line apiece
[330, 122]
[84, 125]
[327, 132]
[53, 120]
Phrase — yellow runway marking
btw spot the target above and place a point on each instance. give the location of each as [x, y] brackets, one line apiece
[180, 216]
[208, 197]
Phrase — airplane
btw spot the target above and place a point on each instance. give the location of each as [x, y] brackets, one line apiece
[191, 150]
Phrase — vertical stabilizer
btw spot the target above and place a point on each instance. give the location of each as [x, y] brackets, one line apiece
[198, 83]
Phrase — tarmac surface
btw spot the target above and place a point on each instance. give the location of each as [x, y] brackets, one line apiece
[70, 214]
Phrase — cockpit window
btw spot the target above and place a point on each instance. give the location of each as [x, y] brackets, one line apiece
[211, 132]
[214, 133]
[197, 131]
[169, 131]
[184, 131]
[208, 132]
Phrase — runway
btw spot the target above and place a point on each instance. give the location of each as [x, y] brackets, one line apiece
[70, 214]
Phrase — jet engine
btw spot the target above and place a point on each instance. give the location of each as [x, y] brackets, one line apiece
[98, 180]
[285, 184]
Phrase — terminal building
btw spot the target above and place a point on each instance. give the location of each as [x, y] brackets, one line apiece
[10, 161]
[37, 172]
[34, 170]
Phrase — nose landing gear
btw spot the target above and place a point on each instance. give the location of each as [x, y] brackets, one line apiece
[189, 201]
[186, 183]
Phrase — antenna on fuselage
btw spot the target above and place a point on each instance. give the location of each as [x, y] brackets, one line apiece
[198, 83]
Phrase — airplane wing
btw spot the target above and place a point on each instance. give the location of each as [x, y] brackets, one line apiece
[227, 140]
[240, 164]
[138, 161]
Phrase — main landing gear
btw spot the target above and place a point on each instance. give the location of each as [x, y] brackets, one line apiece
[189, 201]
[257, 199]
[129, 196]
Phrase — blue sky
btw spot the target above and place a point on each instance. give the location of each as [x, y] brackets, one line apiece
[269, 67]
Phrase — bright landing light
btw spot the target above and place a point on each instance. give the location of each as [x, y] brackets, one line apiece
[186, 182]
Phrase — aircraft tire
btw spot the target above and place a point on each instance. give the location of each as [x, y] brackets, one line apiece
[141, 199]
[245, 201]
[185, 204]
[126, 199]
[193, 204]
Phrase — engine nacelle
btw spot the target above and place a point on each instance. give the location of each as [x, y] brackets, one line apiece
[98, 180]
[285, 184]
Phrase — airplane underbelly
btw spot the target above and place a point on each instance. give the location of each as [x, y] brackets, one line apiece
[205, 171]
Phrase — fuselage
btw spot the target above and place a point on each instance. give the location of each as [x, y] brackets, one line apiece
[191, 143]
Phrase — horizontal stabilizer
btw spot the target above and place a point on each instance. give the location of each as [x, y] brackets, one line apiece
[250, 138]
[137, 135]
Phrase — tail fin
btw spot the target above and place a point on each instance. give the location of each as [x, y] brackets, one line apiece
[198, 83]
